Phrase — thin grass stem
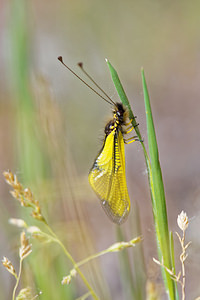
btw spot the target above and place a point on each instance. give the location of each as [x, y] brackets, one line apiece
[18, 279]
[94, 295]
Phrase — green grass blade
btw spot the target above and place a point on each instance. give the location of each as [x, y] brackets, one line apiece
[135, 283]
[155, 181]
[173, 261]
[128, 284]
[139, 268]
[29, 151]
[123, 97]
[158, 197]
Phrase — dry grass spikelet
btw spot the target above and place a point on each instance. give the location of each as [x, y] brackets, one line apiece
[9, 266]
[25, 248]
[24, 196]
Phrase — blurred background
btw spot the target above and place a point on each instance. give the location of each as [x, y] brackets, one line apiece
[52, 128]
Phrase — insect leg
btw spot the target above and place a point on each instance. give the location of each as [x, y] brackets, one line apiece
[130, 121]
[131, 140]
[131, 125]
[129, 129]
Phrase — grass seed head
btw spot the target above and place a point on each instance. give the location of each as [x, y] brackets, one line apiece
[25, 248]
[182, 221]
[18, 222]
[9, 266]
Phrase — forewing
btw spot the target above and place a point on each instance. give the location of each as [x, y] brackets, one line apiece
[100, 175]
[117, 205]
[107, 177]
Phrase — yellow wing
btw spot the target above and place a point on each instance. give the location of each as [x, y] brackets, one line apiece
[107, 178]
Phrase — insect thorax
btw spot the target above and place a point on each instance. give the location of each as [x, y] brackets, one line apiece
[120, 115]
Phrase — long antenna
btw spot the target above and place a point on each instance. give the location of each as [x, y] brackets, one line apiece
[80, 65]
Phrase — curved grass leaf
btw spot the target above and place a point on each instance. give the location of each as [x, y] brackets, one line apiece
[158, 197]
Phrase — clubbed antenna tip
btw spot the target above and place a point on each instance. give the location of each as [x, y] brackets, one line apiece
[60, 59]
